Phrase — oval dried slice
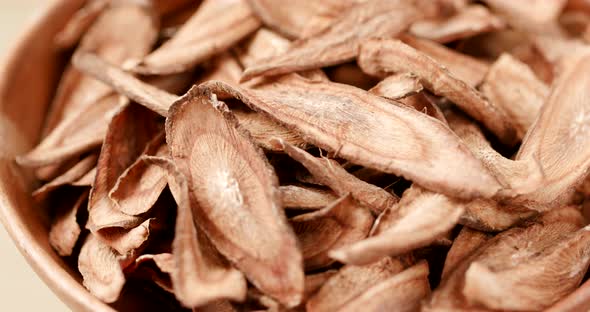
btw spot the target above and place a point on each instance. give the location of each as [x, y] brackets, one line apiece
[305, 197]
[198, 277]
[419, 219]
[340, 42]
[65, 229]
[391, 56]
[201, 37]
[340, 224]
[470, 21]
[235, 189]
[560, 145]
[397, 86]
[512, 86]
[68, 177]
[367, 130]
[351, 282]
[328, 172]
[403, 292]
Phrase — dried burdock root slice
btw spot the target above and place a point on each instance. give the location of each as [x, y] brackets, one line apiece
[512, 86]
[104, 38]
[339, 43]
[305, 197]
[540, 256]
[560, 144]
[341, 223]
[199, 276]
[224, 67]
[351, 282]
[201, 37]
[65, 229]
[420, 218]
[293, 18]
[129, 132]
[404, 291]
[425, 104]
[462, 66]
[467, 242]
[80, 23]
[369, 131]
[262, 44]
[530, 15]
[330, 173]
[235, 191]
[75, 135]
[139, 186]
[470, 21]
[393, 56]
[491, 216]
[69, 177]
[87, 179]
[352, 75]
[397, 86]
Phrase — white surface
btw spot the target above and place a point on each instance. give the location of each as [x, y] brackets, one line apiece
[20, 288]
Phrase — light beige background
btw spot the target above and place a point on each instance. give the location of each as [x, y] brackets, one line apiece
[20, 288]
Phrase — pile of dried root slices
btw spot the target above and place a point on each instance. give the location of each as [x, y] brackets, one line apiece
[356, 155]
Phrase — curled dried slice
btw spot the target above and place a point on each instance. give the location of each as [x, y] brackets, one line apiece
[65, 229]
[467, 242]
[198, 276]
[129, 132]
[391, 56]
[234, 190]
[139, 186]
[470, 21]
[305, 197]
[329, 172]
[340, 224]
[397, 86]
[340, 42]
[75, 135]
[402, 292]
[105, 39]
[201, 37]
[560, 144]
[68, 177]
[263, 129]
[368, 130]
[512, 86]
[351, 282]
[292, 18]
[420, 218]
[80, 23]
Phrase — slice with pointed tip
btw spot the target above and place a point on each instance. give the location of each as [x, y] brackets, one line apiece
[397, 86]
[340, 42]
[79, 24]
[198, 277]
[263, 130]
[339, 224]
[305, 197]
[68, 177]
[235, 194]
[419, 219]
[201, 37]
[65, 229]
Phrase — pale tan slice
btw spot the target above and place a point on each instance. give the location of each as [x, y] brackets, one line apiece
[467, 242]
[68, 177]
[305, 197]
[398, 86]
[79, 24]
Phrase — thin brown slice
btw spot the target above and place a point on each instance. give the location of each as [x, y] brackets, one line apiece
[328, 172]
[198, 277]
[293, 17]
[305, 197]
[201, 37]
[104, 38]
[391, 56]
[129, 132]
[512, 86]
[464, 245]
[368, 130]
[397, 86]
[235, 195]
[75, 135]
[560, 145]
[351, 282]
[340, 42]
[403, 292]
[87, 179]
[224, 67]
[419, 219]
[342, 223]
[65, 229]
[491, 216]
[69, 177]
[79, 24]
[139, 186]
[470, 21]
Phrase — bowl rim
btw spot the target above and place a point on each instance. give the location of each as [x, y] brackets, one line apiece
[61, 283]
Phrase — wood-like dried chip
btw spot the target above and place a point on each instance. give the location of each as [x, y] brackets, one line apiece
[305, 197]
[397, 86]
